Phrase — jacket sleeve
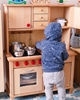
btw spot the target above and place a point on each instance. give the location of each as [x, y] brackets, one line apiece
[38, 45]
[65, 53]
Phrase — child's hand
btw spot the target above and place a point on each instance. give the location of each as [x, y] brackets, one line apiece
[38, 45]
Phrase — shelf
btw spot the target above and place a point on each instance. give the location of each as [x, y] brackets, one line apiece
[31, 5]
[61, 5]
[65, 27]
[31, 29]
[24, 29]
[76, 49]
[11, 58]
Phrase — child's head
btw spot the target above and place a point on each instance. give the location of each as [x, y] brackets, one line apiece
[53, 31]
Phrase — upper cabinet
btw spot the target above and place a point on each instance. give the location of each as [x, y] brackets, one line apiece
[40, 17]
[19, 17]
[32, 17]
[25, 17]
[74, 17]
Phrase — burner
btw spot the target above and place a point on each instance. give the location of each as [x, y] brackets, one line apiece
[25, 54]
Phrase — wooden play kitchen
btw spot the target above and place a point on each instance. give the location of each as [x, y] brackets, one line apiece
[26, 23]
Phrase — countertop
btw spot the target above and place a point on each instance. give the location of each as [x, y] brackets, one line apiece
[10, 58]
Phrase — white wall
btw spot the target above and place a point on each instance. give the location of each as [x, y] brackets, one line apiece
[75, 2]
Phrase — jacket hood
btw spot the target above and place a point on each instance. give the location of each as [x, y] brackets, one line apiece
[53, 31]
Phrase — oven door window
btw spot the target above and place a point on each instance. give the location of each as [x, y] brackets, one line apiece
[28, 79]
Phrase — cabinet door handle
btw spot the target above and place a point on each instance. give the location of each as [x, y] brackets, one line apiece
[41, 9]
[41, 25]
[29, 71]
[41, 17]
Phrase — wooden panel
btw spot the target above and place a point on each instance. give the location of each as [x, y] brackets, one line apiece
[19, 17]
[40, 9]
[22, 63]
[69, 59]
[57, 12]
[77, 70]
[6, 36]
[11, 81]
[66, 38]
[20, 37]
[1, 58]
[74, 17]
[30, 88]
[67, 11]
[40, 17]
[67, 71]
[29, 38]
[40, 24]
[76, 49]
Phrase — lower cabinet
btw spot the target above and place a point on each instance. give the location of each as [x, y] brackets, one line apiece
[67, 71]
[28, 80]
[77, 70]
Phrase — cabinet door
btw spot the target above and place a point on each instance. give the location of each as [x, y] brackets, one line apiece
[77, 70]
[1, 58]
[19, 17]
[74, 17]
[28, 80]
[67, 71]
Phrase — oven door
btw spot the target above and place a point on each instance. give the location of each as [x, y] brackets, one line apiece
[27, 80]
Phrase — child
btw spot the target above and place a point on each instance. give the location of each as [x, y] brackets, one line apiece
[53, 55]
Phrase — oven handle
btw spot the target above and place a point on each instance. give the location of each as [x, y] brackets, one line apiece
[29, 71]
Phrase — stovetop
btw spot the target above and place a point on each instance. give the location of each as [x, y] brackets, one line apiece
[25, 54]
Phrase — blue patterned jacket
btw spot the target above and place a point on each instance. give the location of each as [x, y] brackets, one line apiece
[53, 51]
